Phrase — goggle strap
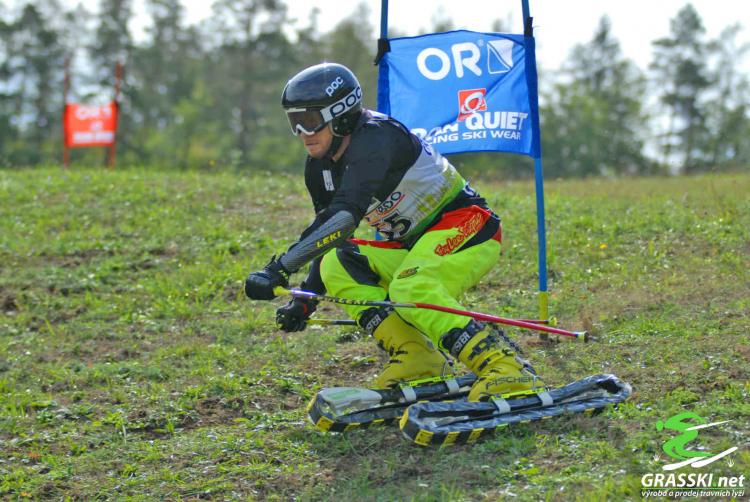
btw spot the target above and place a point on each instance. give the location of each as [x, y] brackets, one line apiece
[342, 104]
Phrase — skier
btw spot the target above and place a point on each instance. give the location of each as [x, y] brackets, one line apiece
[440, 238]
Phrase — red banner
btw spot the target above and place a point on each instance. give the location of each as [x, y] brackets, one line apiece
[90, 125]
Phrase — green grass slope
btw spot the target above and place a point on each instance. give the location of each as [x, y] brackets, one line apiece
[133, 368]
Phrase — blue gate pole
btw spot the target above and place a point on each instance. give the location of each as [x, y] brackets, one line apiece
[539, 179]
[383, 40]
[384, 19]
[541, 232]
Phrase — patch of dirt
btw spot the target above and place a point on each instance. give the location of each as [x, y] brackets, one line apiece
[354, 364]
[122, 354]
[74, 259]
[163, 251]
[64, 315]
[207, 412]
[8, 302]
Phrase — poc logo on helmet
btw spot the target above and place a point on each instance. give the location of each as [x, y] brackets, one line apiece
[333, 86]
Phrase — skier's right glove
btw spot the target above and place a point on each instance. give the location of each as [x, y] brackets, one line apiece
[260, 285]
[294, 315]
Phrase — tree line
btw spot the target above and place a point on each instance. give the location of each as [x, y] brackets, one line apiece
[208, 95]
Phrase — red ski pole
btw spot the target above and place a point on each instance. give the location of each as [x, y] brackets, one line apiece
[582, 335]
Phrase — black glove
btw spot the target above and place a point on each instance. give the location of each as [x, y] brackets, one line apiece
[259, 285]
[294, 315]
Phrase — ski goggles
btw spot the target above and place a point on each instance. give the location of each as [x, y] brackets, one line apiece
[311, 120]
[306, 122]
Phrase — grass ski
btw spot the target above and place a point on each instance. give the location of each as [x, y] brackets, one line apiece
[461, 421]
[339, 409]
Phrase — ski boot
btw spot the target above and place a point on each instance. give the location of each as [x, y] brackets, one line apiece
[412, 355]
[499, 372]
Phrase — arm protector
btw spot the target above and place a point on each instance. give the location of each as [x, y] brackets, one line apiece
[313, 282]
[330, 234]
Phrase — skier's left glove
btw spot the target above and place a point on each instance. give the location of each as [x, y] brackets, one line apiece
[294, 315]
[260, 285]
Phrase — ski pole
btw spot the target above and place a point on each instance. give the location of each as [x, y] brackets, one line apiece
[352, 322]
[475, 315]
[332, 322]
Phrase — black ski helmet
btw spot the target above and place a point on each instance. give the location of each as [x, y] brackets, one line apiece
[326, 92]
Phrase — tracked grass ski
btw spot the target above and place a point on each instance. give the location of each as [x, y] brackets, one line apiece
[435, 411]
[339, 409]
[461, 421]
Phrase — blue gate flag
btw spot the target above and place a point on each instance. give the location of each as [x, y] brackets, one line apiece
[464, 91]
